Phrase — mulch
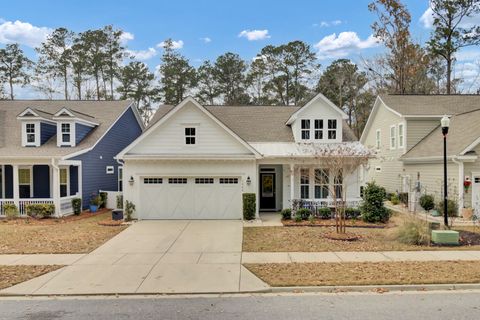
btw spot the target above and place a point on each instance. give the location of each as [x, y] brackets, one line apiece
[52, 221]
[351, 223]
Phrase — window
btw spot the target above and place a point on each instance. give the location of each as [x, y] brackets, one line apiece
[321, 183]
[304, 183]
[66, 136]
[190, 135]
[25, 182]
[2, 194]
[318, 129]
[338, 185]
[177, 180]
[30, 133]
[332, 129]
[63, 182]
[203, 180]
[393, 141]
[109, 169]
[378, 169]
[377, 139]
[228, 180]
[120, 179]
[305, 129]
[400, 135]
[152, 180]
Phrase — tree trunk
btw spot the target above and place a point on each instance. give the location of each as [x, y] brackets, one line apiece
[65, 84]
[11, 88]
[97, 84]
[449, 74]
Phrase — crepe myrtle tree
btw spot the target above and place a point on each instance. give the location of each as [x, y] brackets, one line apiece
[341, 160]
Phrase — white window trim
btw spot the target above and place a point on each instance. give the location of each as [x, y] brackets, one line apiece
[36, 143]
[30, 168]
[73, 134]
[322, 130]
[305, 184]
[393, 145]
[184, 136]
[315, 183]
[378, 139]
[401, 146]
[336, 130]
[68, 180]
[309, 130]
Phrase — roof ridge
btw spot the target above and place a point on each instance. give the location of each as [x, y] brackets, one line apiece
[416, 144]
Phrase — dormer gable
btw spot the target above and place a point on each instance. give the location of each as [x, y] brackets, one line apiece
[72, 126]
[319, 120]
[37, 127]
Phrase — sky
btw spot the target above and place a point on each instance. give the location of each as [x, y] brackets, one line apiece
[203, 30]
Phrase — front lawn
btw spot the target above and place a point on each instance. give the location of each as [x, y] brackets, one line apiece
[367, 273]
[71, 235]
[12, 275]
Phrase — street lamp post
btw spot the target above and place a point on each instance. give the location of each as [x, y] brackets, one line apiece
[445, 122]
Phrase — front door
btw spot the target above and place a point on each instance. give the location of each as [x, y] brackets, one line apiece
[267, 191]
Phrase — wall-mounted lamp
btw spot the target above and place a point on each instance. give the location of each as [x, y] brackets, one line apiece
[131, 180]
[249, 181]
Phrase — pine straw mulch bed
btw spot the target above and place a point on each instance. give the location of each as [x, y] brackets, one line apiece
[52, 221]
[352, 223]
[12, 275]
[367, 273]
[80, 235]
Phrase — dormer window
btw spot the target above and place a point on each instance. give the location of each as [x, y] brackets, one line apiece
[318, 129]
[30, 131]
[30, 134]
[66, 134]
[305, 129]
[190, 136]
[332, 129]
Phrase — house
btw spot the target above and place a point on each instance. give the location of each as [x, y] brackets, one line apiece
[54, 151]
[405, 130]
[195, 161]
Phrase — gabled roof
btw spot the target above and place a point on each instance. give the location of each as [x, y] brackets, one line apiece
[255, 123]
[35, 113]
[105, 113]
[463, 135]
[321, 97]
[66, 113]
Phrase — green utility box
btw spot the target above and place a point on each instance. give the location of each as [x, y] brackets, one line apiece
[448, 237]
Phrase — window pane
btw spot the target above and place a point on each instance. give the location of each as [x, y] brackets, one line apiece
[304, 191]
[304, 178]
[305, 134]
[332, 124]
[65, 137]
[305, 124]
[319, 124]
[63, 176]
[332, 134]
[24, 176]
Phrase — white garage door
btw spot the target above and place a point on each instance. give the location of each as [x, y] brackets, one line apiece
[190, 198]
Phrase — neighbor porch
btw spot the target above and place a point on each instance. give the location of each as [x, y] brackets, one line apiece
[40, 182]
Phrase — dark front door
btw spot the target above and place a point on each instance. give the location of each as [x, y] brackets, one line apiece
[267, 191]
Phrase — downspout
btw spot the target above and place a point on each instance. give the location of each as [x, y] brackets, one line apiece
[461, 173]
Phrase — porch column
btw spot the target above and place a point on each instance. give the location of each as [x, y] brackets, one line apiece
[80, 183]
[461, 190]
[16, 189]
[292, 184]
[56, 188]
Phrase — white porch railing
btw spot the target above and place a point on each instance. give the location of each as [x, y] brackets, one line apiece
[66, 204]
[23, 203]
[3, 202]
[322, 203]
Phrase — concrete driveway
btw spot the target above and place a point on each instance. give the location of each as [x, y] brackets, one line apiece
[157, 257]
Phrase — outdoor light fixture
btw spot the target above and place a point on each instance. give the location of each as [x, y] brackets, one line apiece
[445, 123]
[131, 180]
[249, 181]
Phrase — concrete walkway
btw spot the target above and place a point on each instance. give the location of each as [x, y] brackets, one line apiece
[149, 257]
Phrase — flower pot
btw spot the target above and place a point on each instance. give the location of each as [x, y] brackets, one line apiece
[93, 208]
[467, 213]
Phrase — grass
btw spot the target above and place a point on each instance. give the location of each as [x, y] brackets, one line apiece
[312, 239]
[12, 275]
[367, 273]
[73, 235]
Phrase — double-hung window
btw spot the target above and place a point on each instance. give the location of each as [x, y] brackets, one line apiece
[401, 135]
[338, 185]
[190, 135]
[25, 182]
[304, 183]
[321, 183]
[30, 133]
[305, 129]
[393, 137]
[66, 133]
[63, 182]
[318, 129]
[332, 129]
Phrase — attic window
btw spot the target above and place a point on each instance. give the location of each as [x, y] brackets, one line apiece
[332, 129]
[30, 132]
[190, 135]
[305, 129]
[318, 129]
[66, 133]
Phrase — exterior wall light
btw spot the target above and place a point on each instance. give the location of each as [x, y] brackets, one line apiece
[249, 181]
[131, 180]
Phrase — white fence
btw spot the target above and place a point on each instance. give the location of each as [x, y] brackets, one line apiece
[111, 198]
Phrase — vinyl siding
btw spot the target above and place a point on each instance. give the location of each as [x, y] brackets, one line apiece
[81, 132]
[94, 163]
[169, 137]
[386, 159]
[418, 129]
[47, 131]
[41, 181]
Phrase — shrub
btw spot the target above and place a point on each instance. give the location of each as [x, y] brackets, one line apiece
[372, 208]
[103, 199]
[452, 208]
[77, 205]
[352, 213]
[311, 218]
[324, 213]
[298, 217]
[403, 197]
[304, 213]
[10, 210]
[119, 201]
[129, 210]
[286, 214]
[427, 202]
[95, 200]
[413, 232]
[249, 206]
[394, 199]
[389, 195]
[40, 211]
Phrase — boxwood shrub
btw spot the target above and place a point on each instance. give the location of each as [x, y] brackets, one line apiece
[286, 214]
[304, 213]
[324, 213]
[10, 210]
[40, 210]
[352, 213]
[77, 206]
[249, 206]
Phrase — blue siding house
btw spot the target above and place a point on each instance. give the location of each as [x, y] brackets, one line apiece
[54, 151]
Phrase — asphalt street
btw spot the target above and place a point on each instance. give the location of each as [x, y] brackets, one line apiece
[408, 305]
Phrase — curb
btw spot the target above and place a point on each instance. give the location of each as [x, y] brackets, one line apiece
[378, 288]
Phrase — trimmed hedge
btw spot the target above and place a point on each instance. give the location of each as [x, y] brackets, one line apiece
[352, 213]
[249, 206]
[324, 213]
[77, 206]
[40, 211]
[286, 214]
[304, 213]
[10, 210]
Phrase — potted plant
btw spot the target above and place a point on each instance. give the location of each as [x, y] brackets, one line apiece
[95, 201]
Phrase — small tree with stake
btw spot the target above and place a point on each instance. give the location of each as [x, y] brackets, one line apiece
[341, 160]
